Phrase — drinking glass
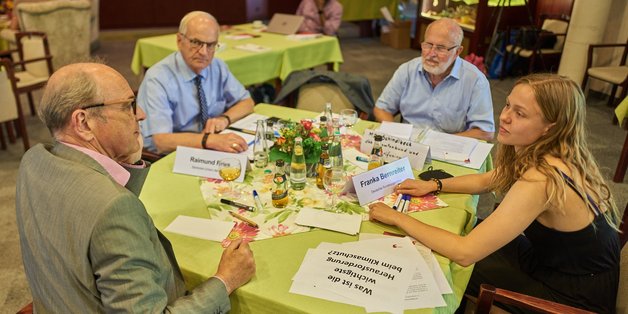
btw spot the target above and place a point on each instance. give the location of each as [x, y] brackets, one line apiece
[229, 170]
[334, 181]
[348, 118]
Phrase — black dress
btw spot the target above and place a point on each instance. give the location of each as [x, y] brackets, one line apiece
[579, 268]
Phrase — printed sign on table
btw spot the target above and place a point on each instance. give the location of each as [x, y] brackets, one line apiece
[381, 181]
[205, 163]
[396, 148]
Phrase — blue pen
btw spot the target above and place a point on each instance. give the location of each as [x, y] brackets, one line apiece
[258, 202]
[406, 204]
[362, 159]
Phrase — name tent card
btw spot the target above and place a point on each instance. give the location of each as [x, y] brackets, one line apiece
[381, 181]
[396, 148]
[205, 163]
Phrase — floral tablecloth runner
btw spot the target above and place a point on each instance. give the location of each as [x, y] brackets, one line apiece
[277, 222]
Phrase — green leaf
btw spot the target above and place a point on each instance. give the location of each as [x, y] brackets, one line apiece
[284, 216]
[273, 215]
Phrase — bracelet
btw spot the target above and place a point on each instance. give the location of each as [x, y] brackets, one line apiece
[439, 186]
[227, 117]
[204, 141]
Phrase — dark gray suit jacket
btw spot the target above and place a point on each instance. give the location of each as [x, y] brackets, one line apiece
[89, 246]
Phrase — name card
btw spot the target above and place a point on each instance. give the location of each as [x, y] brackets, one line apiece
[381, 181]
[396, 148]
[205, 163]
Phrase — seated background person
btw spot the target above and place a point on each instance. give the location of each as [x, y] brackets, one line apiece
[189, 96]
[555, 234]
[440, 90]
[88, 244]
[321, 16]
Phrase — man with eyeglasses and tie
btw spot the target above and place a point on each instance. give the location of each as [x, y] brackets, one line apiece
[440, 90]
[88, 244]
[189, 97]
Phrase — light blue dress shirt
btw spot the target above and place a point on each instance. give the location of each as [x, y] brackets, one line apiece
[460, 102]
[169, 97]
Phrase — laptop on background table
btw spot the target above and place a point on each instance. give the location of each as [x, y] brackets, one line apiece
[285, 24]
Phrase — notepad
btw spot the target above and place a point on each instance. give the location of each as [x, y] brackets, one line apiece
[345, 223]
[201, 228]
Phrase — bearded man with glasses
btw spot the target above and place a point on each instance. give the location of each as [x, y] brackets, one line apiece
[440, 90]
[189, 97]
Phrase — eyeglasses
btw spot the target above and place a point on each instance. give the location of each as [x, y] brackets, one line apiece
[132, 104]
[198, 44]
[440, 49]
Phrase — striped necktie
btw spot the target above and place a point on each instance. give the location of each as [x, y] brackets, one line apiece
[202, 101]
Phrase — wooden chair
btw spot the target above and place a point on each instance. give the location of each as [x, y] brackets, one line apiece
[617, 75]
[555, 27]
[489, 294]
[10, 107]
[36, 61]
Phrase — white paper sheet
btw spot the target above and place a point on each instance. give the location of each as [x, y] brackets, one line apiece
[249, 122]
[252, 48]
[401, 130]
[350, 154]
[457, 150]
[349, 224]
[201, 228]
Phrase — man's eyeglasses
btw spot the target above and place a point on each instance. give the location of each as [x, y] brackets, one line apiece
[440, 49]
[132, 104]
[198, 44]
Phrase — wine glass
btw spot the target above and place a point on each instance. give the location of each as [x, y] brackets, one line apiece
[334, 181]
[229, 170]
[348, 117]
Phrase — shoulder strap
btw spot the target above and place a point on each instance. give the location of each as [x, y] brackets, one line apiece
[572, 185]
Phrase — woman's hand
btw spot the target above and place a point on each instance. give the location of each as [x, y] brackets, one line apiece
[415, 187]
[383, 213]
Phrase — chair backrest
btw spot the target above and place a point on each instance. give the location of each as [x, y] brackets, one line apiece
[67, 24]
[314, 96]
[34, 45]
[556, 26]
[8, 105]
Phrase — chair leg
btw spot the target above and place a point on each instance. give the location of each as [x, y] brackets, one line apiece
[3, 143]
[21, 124]
[10, 133]
[620, 172]
[31, 104]
[611, 98]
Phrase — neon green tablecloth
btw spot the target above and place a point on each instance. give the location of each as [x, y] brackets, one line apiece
[357, 10]
[249, 68]
[167, 195]
[622, 111]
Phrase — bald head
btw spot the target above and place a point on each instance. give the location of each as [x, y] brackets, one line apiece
[197, 17]
[449, 27]
[72, 87]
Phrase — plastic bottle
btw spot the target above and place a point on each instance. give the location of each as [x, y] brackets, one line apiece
[377, 155]
[280, 191]
[260, 149]
[297, 166]
[323, 165]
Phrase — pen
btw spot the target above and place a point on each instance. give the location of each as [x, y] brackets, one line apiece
[246, 220]
[243, 130]
[406, 204]
[397, 201]
[362, 159]
[236, 204]
[258, 202]
[402, 204]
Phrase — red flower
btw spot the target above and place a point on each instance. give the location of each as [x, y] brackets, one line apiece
[307, 124]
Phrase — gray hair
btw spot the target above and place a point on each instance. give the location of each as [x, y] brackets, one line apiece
[63, 97]
[183, 26]
[453, 28]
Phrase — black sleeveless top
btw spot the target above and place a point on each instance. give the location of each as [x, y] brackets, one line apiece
[580, 267]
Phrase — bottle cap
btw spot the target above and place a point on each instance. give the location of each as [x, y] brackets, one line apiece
[378, 137]
[323, 119]
[279, 163]
[325, 146]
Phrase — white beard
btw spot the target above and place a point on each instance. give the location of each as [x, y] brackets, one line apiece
[436, 70]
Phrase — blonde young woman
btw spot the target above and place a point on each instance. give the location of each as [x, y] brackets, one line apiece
[554, 235]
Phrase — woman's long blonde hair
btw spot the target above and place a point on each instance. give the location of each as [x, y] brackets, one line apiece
[562, 102]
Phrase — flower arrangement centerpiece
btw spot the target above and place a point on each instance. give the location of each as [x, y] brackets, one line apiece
[282, 149]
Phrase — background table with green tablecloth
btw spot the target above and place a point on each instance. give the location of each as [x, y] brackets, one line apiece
[285, 55]
[167, 195]
[359, 10]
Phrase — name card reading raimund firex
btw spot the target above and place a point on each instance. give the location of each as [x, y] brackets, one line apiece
[381, 181]
[205, 163]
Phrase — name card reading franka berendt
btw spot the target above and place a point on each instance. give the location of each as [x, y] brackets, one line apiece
[205, 163]
[381, 181]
